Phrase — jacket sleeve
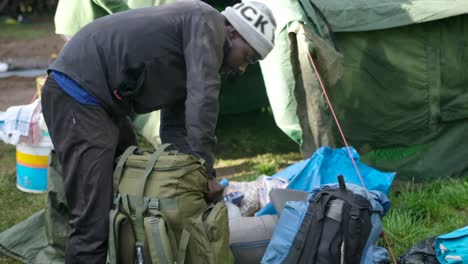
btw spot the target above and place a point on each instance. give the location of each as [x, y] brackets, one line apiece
[203, 40]
[172, 127]
[112, 6]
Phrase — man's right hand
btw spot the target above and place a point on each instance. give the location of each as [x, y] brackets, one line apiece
[215, 190]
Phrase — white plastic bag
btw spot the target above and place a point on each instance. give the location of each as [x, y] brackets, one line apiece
[255, 192]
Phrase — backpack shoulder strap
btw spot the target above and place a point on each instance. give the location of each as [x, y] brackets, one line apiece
[162, 241]
[307, 237]
[115, 220]
[119, 168]
[183, 243]
[159, 242]
[140, 204]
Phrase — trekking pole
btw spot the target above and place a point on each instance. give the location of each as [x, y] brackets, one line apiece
[347, 146]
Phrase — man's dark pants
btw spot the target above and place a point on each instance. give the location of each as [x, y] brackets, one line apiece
[85, 139]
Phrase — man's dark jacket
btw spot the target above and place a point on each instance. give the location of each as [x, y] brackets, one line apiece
[155, 58]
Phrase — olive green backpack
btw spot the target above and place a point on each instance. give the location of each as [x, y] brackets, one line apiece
[160, 214]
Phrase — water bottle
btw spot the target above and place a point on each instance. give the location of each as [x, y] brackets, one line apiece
[224, 182]
[234, 197]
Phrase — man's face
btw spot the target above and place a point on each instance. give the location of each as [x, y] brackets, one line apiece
[240, 55]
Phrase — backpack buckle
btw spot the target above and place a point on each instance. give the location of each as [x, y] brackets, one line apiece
[355, 212]
[153, 220]
[118, 95]
[153, 204]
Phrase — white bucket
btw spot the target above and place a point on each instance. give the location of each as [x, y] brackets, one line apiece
[31, 165]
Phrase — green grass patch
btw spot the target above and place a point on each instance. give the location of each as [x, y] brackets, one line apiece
[39, 27]
[250, 144]
[420, 211]
[250, 134]
[15, 205]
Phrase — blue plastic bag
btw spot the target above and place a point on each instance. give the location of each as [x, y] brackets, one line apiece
[453, 247]
[324, 167]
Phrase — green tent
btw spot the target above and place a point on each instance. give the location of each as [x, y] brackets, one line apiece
[401, 95]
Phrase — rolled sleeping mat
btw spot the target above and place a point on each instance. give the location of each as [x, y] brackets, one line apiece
[249, 237]
[279, 197]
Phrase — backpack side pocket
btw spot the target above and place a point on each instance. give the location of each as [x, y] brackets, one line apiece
[121, 236]
[209, 236]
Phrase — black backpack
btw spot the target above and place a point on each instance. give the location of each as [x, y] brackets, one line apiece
[335, 229]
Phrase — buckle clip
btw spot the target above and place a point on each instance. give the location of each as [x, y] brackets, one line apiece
[153, 204]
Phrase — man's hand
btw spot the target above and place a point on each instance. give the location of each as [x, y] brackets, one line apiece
[215, 190]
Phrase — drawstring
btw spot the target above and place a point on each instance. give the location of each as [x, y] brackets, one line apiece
[346, 143]
[389, 247]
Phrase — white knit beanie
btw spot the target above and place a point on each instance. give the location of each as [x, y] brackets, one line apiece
[255, 23]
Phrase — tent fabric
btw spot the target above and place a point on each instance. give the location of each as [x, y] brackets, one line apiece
[403, 83]
[364, 15]
[147, 126]
[402, 100]
[232, 96]
[27, 242]
[312, 109]
[144, 3]
[278, 68]
[72, 15]
[42, 237]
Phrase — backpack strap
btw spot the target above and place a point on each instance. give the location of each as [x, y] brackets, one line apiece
[184, 239]
[140, 204]
[159, 243]
[153, 207]
[305, 243]
[119, 168]
[125, 204]
[115, 218]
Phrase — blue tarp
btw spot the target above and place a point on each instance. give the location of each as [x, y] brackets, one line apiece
[324, 167]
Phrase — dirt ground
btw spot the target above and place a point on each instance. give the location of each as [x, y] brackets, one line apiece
[17, 90]
[38, 47]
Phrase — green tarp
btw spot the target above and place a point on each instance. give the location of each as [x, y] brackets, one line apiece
[27, 242]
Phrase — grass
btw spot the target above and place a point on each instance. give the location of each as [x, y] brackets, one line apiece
[39, 27]
[424, 210]
[251, 145]
[15, 205]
